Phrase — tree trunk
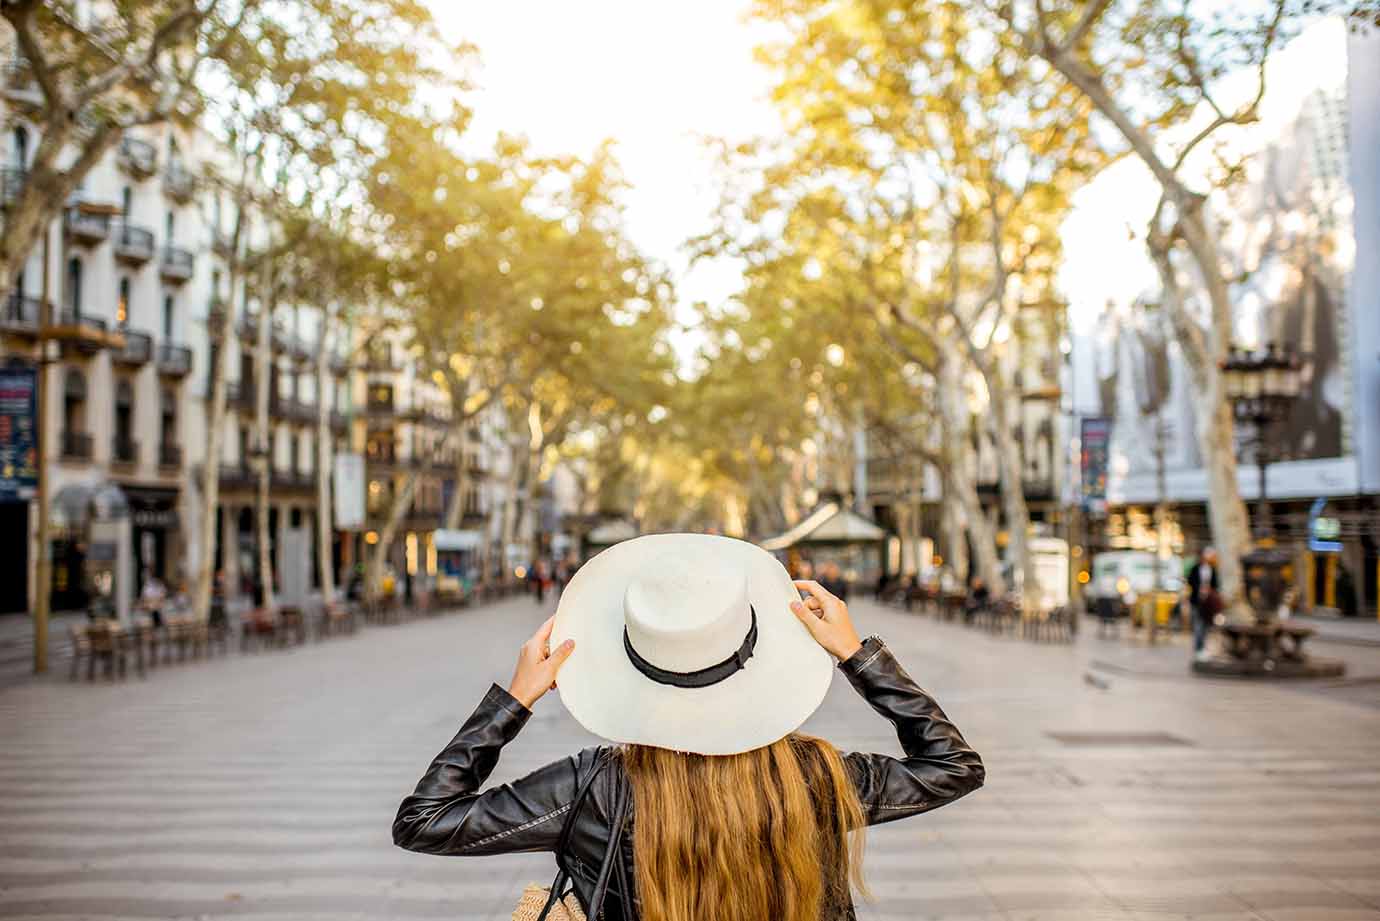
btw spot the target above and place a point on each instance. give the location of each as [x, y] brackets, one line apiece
[324, 459]
[1226, 510]
[220, 326]
[1009, 455]
[517, 456]
[1216, 436]
[958, 453]
[956, 544]
[263, 361]
[45, 192]
[388, 533]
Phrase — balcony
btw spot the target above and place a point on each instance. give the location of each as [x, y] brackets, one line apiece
[87, 334]
[19, 316]
[292, 480]
[124, 451]
[133, 244]
[340, 364]
[136, 351]
[379, 361]
[176, 265]
[169, 456]
[174, 360]
[236, 477]
[239, 395]
[248, 328]
[20, 86]
[380, 410]
[340, 422]
[221, 243]
[178, 182]
[85, 229]
[215, 317]
[12, 179]
[76, 446]
[137, 157]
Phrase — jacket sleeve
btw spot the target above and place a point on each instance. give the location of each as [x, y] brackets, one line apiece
[938, 766]
[447, 813]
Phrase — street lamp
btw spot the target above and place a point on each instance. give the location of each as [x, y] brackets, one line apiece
[1262, 388]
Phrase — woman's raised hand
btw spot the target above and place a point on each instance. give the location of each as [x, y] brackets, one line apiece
[826, 617]
[537, 665]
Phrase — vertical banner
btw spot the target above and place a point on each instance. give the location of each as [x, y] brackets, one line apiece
[1094, 436]
[349, 491]
[18, 432]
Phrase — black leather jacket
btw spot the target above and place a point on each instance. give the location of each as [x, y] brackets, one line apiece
[448, 814]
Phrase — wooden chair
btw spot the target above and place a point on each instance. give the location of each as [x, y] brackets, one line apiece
[81, 648]
[258, 626]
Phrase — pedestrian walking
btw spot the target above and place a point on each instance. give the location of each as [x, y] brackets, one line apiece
[698, 657]
[831, 577]
[1203, 598]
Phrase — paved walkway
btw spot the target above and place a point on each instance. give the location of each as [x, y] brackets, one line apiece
[263, 786]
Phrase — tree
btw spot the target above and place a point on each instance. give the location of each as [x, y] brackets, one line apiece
[928, 165]
[96, 77]
[1154, 71]
[306, 95]
[523, 292]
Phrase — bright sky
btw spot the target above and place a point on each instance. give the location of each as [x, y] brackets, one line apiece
[654, 77]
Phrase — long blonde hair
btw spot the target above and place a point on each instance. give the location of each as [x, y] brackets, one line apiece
[776, 832]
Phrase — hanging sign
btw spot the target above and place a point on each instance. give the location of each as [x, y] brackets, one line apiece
[18, 432]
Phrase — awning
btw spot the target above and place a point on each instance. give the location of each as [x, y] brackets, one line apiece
[612, 532]
[828, 524]
[457, 540]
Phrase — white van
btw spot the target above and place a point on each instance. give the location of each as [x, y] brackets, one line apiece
[1125, 574]
[1050, 556]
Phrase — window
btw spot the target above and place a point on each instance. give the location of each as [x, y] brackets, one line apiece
[124, 416]
[122, 306]
[167, 318]
[167, 429]
[215, 285]
[169, 225]
[73, 401]
[72, 291]
[126, 202]
[19, 151]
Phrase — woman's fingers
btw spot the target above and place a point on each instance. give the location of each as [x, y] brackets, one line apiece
[543, 633]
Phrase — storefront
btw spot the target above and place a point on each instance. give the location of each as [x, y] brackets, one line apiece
[153, 514]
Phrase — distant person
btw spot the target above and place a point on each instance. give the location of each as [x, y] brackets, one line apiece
[831, 577]
[979, 597]
[153, 596]
[1203, 598]
[804, 569]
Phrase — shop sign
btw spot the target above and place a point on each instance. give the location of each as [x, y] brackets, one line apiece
[1095, 437]
[18, 432]
[349, 491]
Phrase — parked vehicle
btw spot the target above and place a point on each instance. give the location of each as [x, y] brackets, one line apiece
[1122, 576]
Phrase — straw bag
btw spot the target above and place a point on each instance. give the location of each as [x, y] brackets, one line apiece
[557, 902]
[533, 903]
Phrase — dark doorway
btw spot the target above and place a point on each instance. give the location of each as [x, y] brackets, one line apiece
[14, 562]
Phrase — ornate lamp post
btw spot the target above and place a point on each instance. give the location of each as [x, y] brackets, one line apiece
[1262, 388]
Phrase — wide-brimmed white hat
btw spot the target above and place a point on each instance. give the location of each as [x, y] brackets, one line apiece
[688, 642]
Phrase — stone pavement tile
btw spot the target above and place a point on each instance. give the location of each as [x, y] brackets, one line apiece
[1066, 890]
[1241, 915]
[1365, 888]
[1068, 914]
[1184, 896]
[1322, 914]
